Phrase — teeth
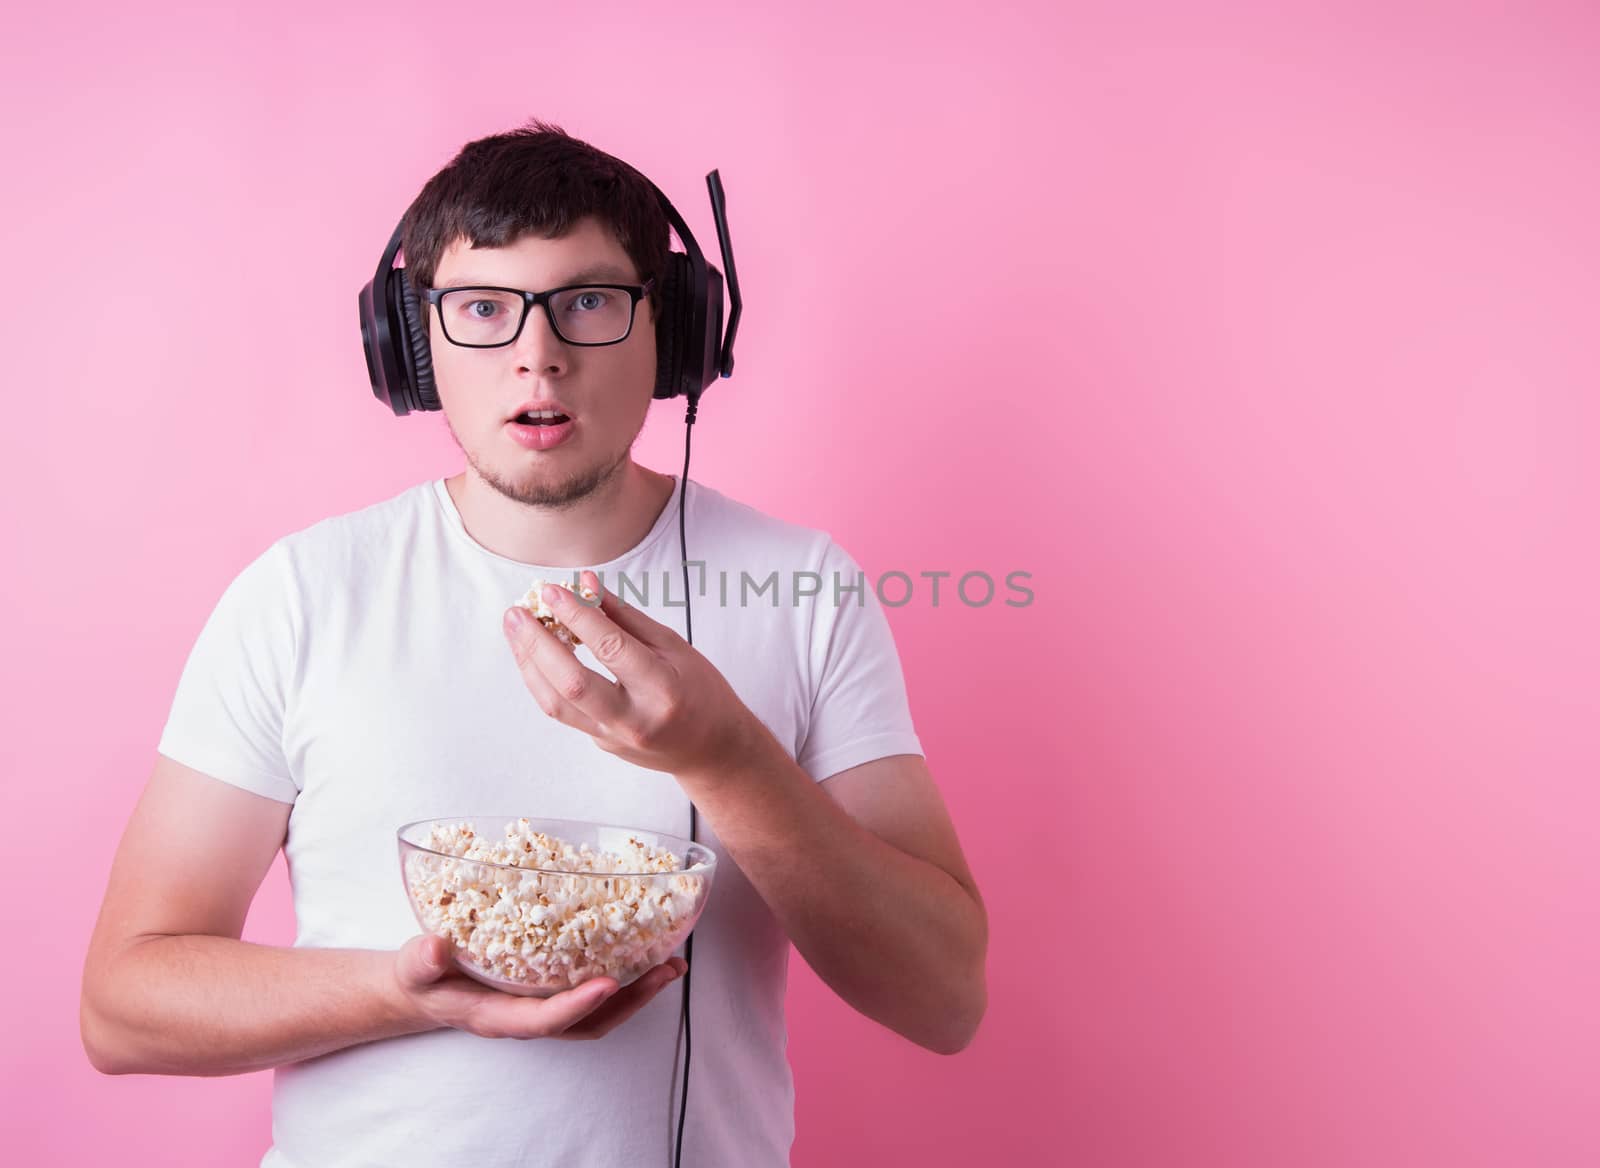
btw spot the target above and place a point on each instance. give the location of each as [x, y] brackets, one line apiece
[548, 414]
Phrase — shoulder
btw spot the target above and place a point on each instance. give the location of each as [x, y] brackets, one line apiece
[778, 563]
[737, 528]
[352, 535]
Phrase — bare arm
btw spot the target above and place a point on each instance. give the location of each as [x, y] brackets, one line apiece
[865, 874]
[205, 1005]
[169, 988]
[866, 877]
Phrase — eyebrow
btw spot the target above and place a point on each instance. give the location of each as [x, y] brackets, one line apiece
[605, 271]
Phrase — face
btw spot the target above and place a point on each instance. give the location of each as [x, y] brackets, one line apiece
[605, 390]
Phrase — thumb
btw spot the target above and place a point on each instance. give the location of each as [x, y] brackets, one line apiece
[424, 959]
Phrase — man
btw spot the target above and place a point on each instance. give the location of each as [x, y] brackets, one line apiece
[357, 675]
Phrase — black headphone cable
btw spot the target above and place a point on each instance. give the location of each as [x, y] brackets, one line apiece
[688, 628]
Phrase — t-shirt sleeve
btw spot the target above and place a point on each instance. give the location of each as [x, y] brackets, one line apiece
[859, 707]
[227, 717]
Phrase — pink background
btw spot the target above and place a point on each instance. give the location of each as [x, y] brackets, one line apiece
[1264, 338]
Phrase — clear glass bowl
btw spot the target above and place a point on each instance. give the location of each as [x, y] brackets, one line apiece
[539, 931]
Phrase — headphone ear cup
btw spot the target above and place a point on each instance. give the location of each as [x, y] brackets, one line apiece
[672, 325]
[415, 314]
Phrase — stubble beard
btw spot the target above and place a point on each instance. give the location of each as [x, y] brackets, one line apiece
[539, 491]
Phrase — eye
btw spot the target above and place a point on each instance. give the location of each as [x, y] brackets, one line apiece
[589, 299]
[481, 309]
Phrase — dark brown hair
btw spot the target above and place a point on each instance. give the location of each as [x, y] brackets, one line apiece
[536, 179]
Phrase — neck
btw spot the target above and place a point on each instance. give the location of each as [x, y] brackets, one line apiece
[593, 530]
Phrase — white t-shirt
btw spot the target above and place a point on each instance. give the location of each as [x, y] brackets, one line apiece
[357, 669]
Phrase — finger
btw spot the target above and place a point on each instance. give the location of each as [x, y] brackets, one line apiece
[577, 694]
[630, 660]
[501, 1015]
[565, 688]
[626, 1002]
[632, 619]
[422, 960]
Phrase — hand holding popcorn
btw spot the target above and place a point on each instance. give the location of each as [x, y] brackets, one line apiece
[432, 990]
[669, 710]
[533, 600]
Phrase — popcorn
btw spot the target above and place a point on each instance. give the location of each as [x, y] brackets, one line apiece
[533, 601]
[563, 917]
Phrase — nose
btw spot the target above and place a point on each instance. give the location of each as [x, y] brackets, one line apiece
[539, 349]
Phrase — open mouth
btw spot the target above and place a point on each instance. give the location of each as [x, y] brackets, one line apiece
[542, 418]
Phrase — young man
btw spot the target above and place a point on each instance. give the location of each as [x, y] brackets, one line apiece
[358, 675]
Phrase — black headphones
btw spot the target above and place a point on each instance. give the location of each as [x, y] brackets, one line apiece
[691, 351]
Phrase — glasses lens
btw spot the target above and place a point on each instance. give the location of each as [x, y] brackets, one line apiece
[592, 316]
[475, 316]
[585, 316]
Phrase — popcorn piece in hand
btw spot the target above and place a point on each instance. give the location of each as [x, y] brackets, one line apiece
[533, 601]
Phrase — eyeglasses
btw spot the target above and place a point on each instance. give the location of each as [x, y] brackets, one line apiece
[581, 314]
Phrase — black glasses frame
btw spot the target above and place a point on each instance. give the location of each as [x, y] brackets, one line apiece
[635, 292]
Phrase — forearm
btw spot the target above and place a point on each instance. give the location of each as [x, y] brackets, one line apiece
[897, 938]
[204, 1005]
